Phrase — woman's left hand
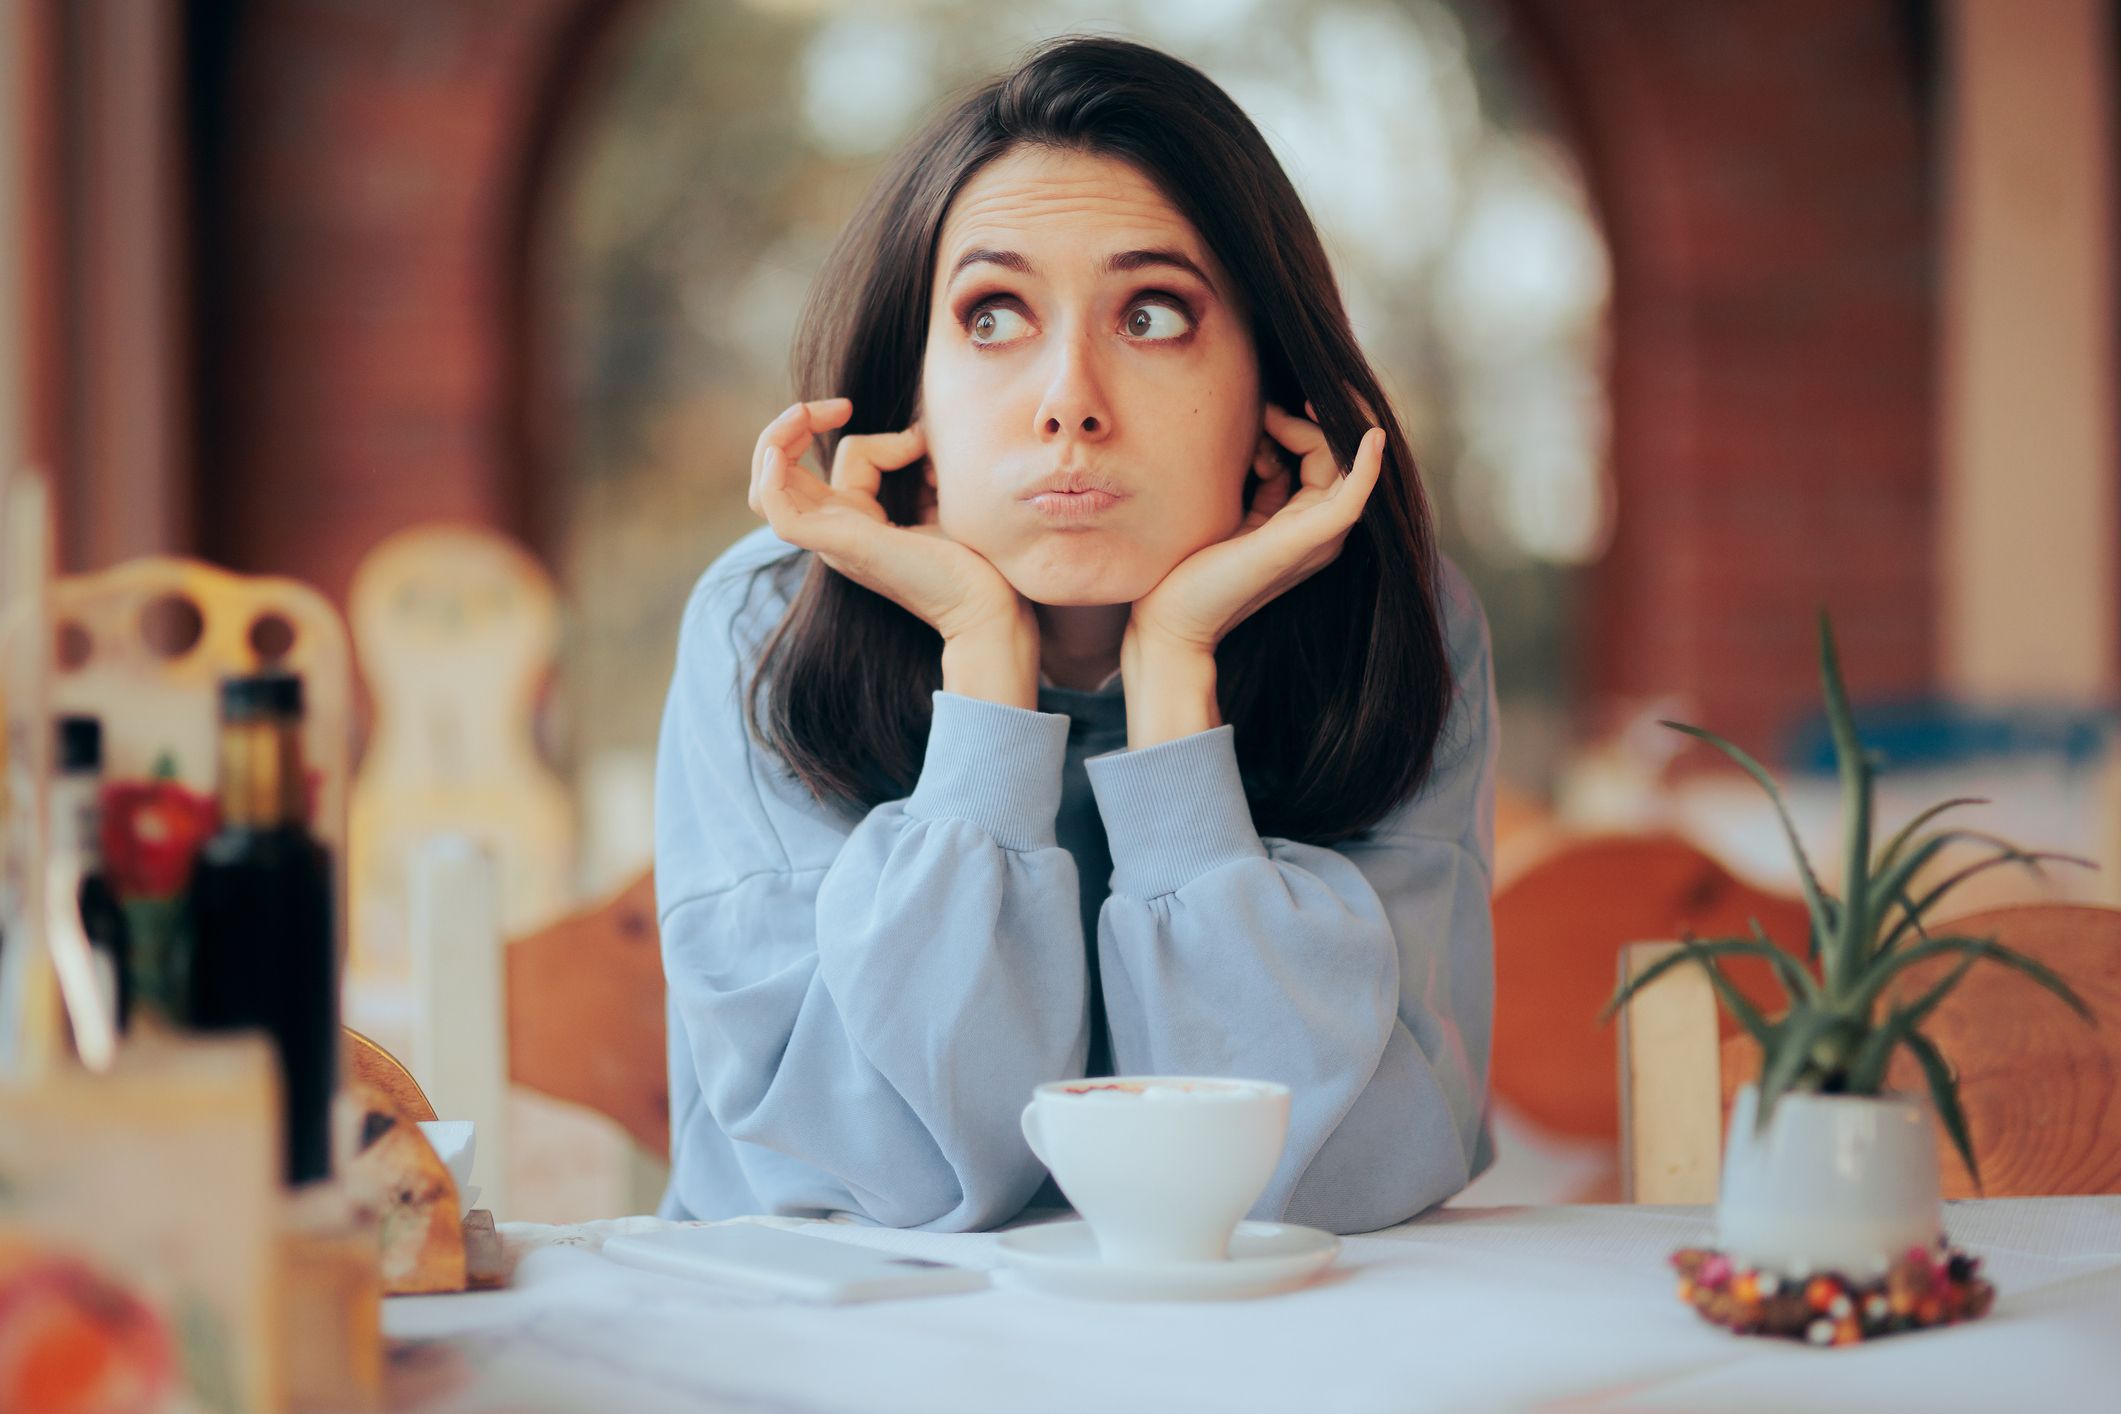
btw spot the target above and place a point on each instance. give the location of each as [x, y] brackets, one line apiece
[1294, 529]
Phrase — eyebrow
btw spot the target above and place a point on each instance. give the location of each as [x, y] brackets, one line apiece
[1124, 261]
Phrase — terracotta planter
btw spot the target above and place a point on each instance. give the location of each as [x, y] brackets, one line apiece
[1836, 1183]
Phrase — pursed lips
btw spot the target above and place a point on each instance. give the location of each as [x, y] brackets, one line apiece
[1071, 498]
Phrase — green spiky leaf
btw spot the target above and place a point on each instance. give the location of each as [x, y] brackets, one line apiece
[1822, 912]
[1944, 1094]
[1697, 951]
[1911, 917]
[1736, 1002]
[1830, 1036]
[1786, 1061]
[1908, 831]
[1867, 1072]
[1856, 773]
[2006, 854]
[1797, 983]
[1886, 968]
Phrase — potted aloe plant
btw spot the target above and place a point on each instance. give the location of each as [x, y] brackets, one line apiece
[1824, 1169]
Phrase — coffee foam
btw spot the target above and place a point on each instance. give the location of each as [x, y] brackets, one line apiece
[1120, 1090]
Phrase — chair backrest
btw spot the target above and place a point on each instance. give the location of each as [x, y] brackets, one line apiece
[585, 1013]
[1560, 923]
[2041, 1090]
[573, 1011]
[1670, 1094]
[456, 628]
[144, 645]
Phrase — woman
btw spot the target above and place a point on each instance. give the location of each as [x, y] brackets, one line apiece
[1099, 713]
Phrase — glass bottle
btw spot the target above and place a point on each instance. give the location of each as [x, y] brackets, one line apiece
[264, 951]
[77, 826]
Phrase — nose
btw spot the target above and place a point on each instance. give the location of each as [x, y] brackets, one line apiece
[1074, 405]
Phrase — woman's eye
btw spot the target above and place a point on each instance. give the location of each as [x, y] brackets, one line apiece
[1157, 321]
[996, 324]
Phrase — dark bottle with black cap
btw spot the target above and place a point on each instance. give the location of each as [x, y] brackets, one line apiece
[77, 827]
[264, 953]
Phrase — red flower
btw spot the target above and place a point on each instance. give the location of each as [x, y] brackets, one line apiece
[152, 831]
[73, 1340]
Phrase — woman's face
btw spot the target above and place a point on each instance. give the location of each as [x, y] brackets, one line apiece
[1081, 337]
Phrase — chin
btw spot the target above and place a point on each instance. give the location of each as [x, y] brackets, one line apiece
[1073, 571]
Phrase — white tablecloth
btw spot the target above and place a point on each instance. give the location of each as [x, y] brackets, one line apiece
[1465, 1309]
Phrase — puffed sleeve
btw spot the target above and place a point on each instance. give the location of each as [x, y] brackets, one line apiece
[858, 1007]
[1362, 976]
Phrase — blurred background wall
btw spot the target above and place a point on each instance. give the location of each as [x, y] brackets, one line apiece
[1702, 316]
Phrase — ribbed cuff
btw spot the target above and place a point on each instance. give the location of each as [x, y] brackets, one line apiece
[997, 766]
[1173, 811]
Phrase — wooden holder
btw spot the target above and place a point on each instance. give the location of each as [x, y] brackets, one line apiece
[331, 1313]
[158, 1184]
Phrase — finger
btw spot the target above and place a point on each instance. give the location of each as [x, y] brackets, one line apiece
[1362, 405]
[859, 463]
[798, 484]
[1272, 495]
[768, 496]
[785, 492]
[1299, 436]
[798, 422]
[1272, 492]
[1317, 469]
[795, 428]
[767, 463]
[1266, 458]
[775, 499]
[1354, 489]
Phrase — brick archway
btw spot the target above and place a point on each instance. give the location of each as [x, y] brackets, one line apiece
[370, 187]
[371, 177]
[1763, 172]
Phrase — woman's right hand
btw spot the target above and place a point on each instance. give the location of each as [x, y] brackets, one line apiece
[951, 587]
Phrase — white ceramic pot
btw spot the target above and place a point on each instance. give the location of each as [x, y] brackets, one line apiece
[1837, 1183]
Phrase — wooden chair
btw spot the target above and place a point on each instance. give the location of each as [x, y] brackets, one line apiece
[2041, 1090]
[1560, 922]
[578, 1016]
[143, 646]
[456, 629]
[585, 1013]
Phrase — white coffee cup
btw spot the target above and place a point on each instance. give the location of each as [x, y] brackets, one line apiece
[1162, 1167]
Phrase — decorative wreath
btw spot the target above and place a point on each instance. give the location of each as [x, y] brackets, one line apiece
[1925, 1287]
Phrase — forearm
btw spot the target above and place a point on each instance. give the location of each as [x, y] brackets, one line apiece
[995, 662]
[1170, 689]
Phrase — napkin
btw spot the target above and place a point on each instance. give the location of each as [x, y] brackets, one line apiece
[454, 1142]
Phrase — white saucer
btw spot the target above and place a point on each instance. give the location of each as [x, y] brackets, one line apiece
[1061, 1258]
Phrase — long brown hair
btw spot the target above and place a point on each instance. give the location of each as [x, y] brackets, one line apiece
[1339, 687]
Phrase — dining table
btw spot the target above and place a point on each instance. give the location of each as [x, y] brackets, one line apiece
[1570, 1307]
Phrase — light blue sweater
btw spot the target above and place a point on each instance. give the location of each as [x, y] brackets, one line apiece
[859, 1007]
